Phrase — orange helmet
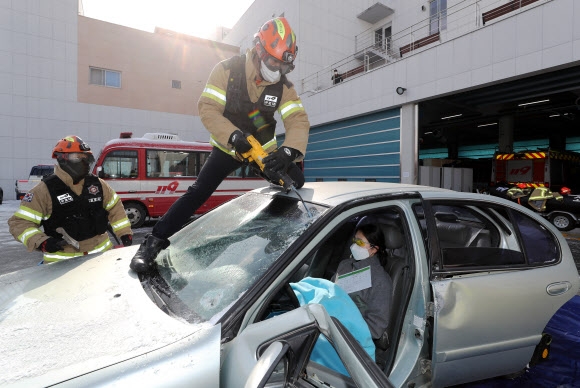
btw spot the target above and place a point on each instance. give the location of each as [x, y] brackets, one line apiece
[74, 156]
[277, 40]
[70, 144]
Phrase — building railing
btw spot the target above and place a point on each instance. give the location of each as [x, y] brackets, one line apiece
[374, 51]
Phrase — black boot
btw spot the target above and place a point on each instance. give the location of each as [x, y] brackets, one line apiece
[148, 251]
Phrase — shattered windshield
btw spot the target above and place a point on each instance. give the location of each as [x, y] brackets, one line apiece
[214, 260]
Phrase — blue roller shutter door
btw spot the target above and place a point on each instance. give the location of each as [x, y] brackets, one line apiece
[365, 148]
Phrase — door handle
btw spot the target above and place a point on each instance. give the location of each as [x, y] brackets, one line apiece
[558, 288]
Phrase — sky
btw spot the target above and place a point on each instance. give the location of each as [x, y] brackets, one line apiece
[193, 17]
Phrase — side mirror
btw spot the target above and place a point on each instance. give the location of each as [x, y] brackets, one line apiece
[100, 172]
[265, 366]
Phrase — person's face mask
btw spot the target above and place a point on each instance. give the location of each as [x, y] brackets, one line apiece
[269, 75]
[358, 253]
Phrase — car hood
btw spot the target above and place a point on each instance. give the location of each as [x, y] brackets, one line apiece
[66, 319]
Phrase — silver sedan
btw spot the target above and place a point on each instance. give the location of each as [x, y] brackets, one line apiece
[475, 280]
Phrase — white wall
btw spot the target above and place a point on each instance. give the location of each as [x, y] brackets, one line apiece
[38, 91]
[539, 39]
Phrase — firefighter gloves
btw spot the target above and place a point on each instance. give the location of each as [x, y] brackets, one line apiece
[127, 240]
[52, 245]
[238, 140]
[279, 160]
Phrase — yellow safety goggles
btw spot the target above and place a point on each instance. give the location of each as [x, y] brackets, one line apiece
[359, 242]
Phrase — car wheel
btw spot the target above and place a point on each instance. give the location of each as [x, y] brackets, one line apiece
[1, 196]
[136, 214]
[563, 222]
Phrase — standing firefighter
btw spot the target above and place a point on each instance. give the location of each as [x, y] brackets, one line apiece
[74, 200]
[240, 99]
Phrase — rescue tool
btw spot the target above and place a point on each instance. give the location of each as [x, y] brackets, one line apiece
[67, 238]
[256, 154]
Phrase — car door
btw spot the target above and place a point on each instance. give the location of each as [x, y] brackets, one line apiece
[314, 257]
[498, 275]
[296, 332]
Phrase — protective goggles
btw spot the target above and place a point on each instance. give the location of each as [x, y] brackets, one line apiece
[361, 243]
[76, 157]
[276, 65]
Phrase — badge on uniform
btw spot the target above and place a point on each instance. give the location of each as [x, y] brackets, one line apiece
[93, 189]
[270, 100]
[28, 197]
[65, 198]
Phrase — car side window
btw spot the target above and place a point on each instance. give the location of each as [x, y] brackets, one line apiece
[120, 164]
[540, 245]
[473, 236]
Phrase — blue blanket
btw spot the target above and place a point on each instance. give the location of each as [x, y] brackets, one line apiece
[339, 305]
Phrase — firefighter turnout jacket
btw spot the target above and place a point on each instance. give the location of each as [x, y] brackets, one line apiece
[83, 210]
[229, 103]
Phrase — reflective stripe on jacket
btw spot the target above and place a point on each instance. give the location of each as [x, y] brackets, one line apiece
[213, 100]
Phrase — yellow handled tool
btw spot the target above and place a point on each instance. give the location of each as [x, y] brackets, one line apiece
[256, 155]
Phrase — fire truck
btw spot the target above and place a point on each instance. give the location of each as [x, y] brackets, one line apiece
[541, 168]
[558, 171]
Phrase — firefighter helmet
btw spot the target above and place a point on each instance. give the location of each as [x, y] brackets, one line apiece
[70, 144]
[74, 156]
[565, 190]
[276, 45]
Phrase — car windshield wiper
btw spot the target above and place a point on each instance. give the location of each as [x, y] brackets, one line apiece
[164, 296]
[156, 288]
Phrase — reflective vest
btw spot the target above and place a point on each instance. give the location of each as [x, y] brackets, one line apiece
[252, 118]
[82, 217]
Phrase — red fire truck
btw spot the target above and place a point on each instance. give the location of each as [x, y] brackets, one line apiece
[542, 169]
[152, 172]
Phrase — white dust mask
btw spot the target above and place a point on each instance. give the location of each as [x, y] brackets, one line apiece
[269, 75]
[358, 253]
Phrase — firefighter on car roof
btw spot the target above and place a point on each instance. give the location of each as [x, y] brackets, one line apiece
[74, 200]
[240, 98]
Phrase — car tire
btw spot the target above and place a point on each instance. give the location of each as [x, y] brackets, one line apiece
[136, 214]
[1, 196]
[563, 222]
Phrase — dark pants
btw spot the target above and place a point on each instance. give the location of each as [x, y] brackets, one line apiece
[216, 168]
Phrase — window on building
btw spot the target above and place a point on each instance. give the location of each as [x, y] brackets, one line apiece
[103, 77]
[176, 84]
[437, 16]
[383, 38]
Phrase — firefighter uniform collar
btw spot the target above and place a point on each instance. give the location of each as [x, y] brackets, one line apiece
[67, 179]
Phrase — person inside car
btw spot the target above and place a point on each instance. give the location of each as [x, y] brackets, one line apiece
[365, 280]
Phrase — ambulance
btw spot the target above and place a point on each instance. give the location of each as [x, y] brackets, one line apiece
[150, 173]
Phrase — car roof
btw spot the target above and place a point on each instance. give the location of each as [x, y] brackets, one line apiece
[335, 193]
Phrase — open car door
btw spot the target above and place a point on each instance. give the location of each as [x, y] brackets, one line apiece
[276, 353]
